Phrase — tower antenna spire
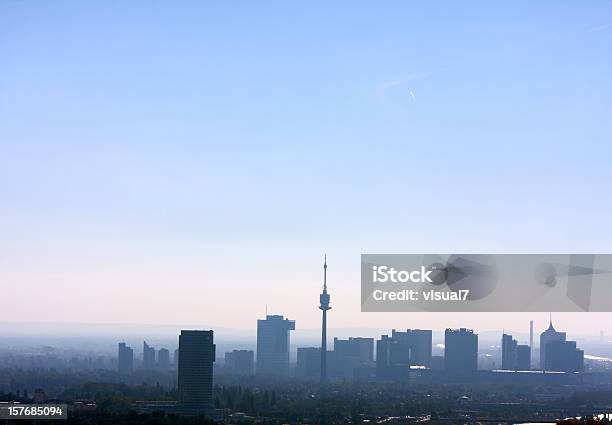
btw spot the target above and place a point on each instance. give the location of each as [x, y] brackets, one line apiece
[325, 274]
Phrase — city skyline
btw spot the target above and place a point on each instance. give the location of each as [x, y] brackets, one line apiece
[173, 173]
[399, 351]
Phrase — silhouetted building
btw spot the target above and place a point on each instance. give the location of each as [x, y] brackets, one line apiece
[195, 371]
[419, 343]
[514, 356]
[523, 357]
[125, 362]
[460, 350]
[351, 357]
[546, 337]
[396, 354]
[383, 357]
[324, 306]
[273, 344]
[240, 362]
[163, 359]
[308, 363]
[361, 349]
[148, 356]
[509, 354]
[176, 357]
[563, 356]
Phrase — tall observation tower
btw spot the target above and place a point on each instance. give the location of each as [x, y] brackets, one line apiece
[324, 306]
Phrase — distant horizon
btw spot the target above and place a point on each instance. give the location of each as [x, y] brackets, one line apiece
[73, 329]
[355, 167]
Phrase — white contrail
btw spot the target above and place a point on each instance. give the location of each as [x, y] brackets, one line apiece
[390, 85]
[412, 95]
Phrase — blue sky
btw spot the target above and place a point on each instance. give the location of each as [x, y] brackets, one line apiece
[207, 153]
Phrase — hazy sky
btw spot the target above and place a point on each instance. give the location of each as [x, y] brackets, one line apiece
[191, 162]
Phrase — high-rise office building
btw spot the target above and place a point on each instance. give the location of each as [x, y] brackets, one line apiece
[350, 356]
[409, 348]
[148, 356]
[176, 357]
[523, 357]
[509, 354]
[324, 306]
[163, 359]
[240, 362]
[546, 337]
[383, 364]
[360, 349]
[126, 359]
[195, 371]
[419, 342]
[308, 363]
[515, 356]
[273, 343]
[563, 356]
[395, 354]
[460, 350]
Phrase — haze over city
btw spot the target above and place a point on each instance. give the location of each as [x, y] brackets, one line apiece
[271, 212]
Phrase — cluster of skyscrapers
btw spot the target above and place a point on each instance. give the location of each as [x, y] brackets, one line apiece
[151, 359]
[401, 350]
[558, 354]
[353, 358]
[515, 356]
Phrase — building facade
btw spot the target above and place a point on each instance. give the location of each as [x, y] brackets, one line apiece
[163, 359]
[523, 357]
[240, 362]
[564, 356]
[125, 362]
[148, 356]
[308, 363]
[546, 337]
[402, 350]
[509, 354]
[195, 371]
[273, 344]
[460, 350]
